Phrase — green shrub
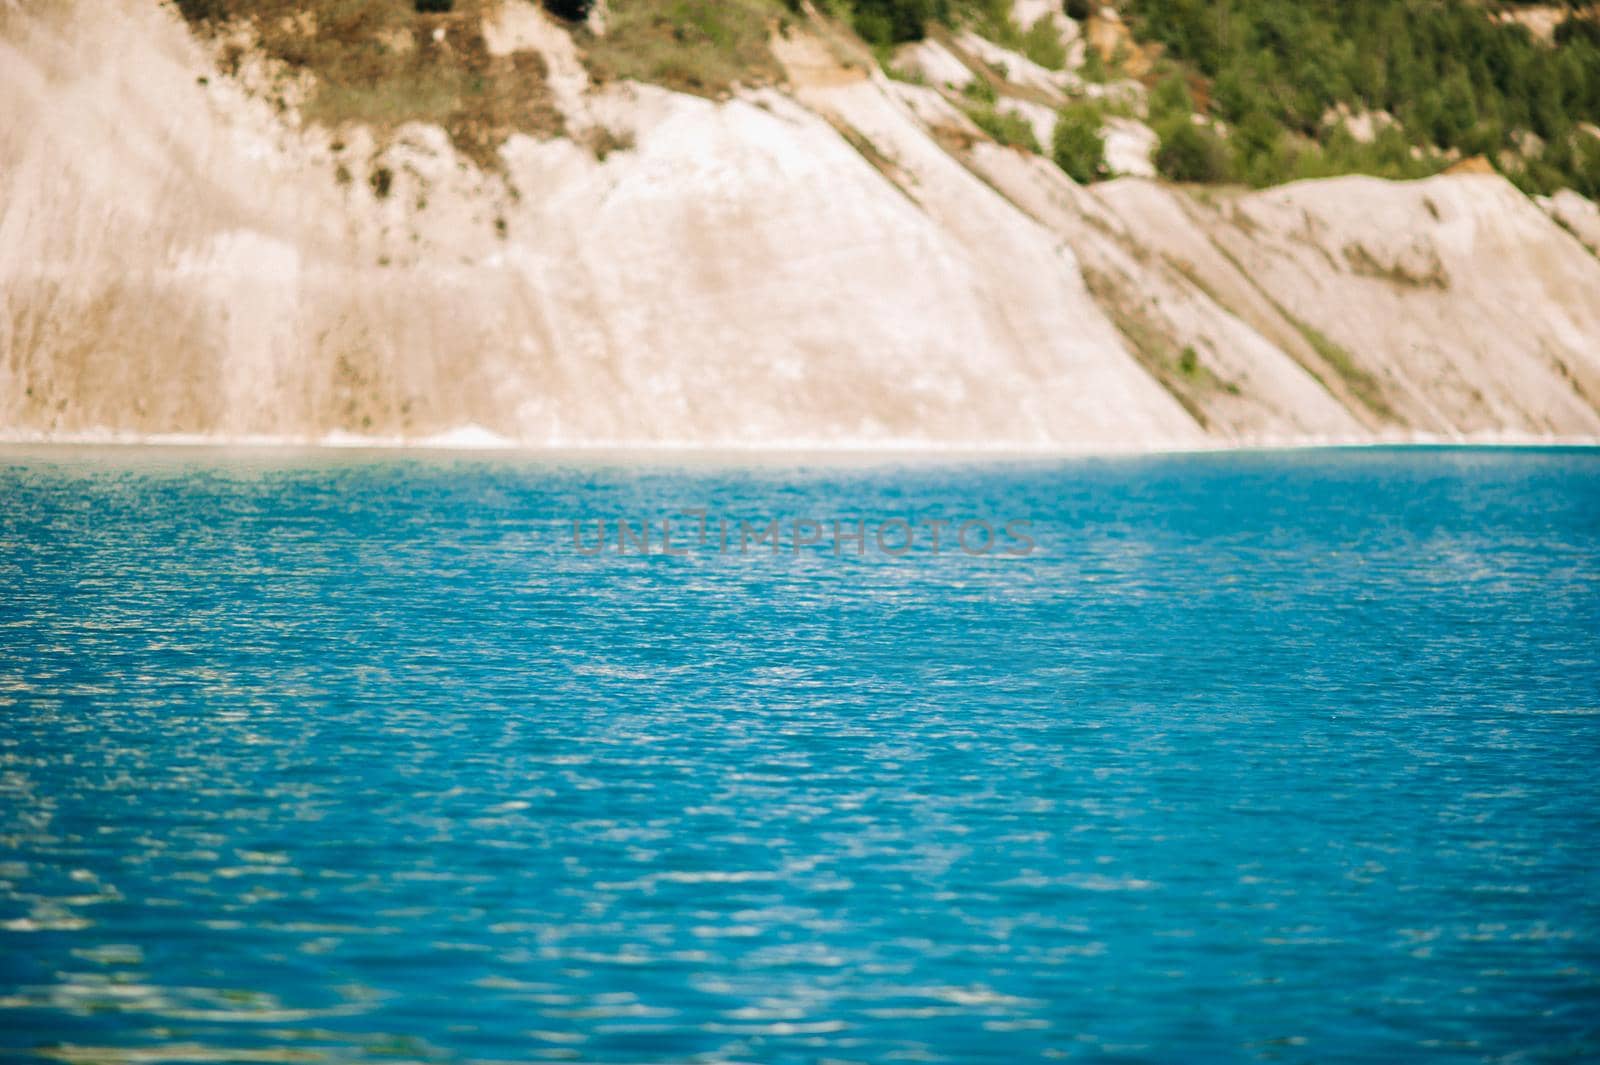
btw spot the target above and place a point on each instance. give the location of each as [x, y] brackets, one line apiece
[874, 28]
[1006, 127]
[1077, 146]
[570, 10]
[1586, 165]
[204, 10]
[382, 180]
[1192, 153]
[885, 22]
[1577, 28]
[1042, 44]
[1094, 68]
[979, 90]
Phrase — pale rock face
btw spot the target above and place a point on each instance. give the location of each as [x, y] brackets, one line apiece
[1247, 388]
[933, 63]
[1018, 69]
[1577, 215]
[1351, 332]
[1122, 93]
[743, 275]
[1164, 231]
[845, 263]
[1027, 13]
[1055, 339]
[1541, 20]
[1042, 119]
[1363, 126]
[1455, 294]
[1130, 147]
[525, 27]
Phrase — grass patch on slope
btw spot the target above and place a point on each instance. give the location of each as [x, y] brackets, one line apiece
[1360, 383]
[382, 63]
[1179, 370]
[1006, 127]
[703, 47]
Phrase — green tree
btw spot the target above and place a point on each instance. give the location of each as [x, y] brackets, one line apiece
[1171, 99]
[886, 22]
[1456, 76]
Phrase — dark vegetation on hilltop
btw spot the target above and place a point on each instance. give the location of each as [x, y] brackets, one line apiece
[1450, 74]
[1453, 77]
[888, 22]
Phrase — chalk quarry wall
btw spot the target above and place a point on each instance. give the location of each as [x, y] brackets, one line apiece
[842, 262]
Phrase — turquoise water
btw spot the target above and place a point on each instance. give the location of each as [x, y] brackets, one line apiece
[1257, 757]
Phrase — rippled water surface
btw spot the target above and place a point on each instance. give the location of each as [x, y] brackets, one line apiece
[329, 759]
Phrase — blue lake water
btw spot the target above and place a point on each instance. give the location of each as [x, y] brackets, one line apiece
[1283, 757]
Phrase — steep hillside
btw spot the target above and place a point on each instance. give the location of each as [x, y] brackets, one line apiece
[222, 228]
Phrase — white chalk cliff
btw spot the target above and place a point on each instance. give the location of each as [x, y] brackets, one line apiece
[842, 261]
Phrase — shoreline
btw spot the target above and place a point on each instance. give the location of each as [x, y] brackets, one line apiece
[476, 443]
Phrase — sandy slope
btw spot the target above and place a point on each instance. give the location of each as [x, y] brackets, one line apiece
[846, 263]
